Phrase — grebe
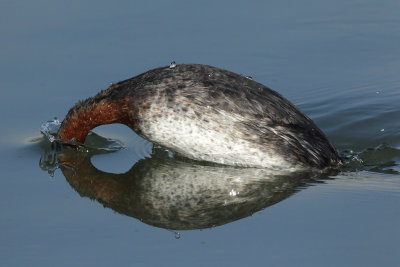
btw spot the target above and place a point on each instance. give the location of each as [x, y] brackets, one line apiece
[207, 113]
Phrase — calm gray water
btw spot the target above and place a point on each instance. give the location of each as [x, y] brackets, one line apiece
[338, 61]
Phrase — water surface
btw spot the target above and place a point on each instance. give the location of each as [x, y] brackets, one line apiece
[338, 62]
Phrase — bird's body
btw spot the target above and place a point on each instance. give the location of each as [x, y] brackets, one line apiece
[210, 114]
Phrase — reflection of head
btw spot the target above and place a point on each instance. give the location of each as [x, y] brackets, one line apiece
[180, 194]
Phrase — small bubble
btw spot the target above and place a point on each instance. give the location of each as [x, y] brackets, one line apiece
[172, 64]
[177, 235]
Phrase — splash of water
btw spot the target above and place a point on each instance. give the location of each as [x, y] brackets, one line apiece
[95, 144]
[94, 141]
[50, 128]
[381, 159]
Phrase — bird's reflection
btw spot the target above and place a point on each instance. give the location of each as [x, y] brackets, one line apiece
[179, 194]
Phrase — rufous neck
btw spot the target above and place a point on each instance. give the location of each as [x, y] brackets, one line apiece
[86, 115]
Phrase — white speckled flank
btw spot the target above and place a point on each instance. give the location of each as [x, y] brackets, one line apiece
[212, 137]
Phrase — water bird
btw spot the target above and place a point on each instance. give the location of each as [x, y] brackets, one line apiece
[209, 114]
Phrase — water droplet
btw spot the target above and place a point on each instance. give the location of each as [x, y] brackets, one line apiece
[378, 92]
[260, 89]
[172, 65]
[233, 193]
[249, 77]
[170, 153]
[382, 130]
[177, 235]
[211, 74]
